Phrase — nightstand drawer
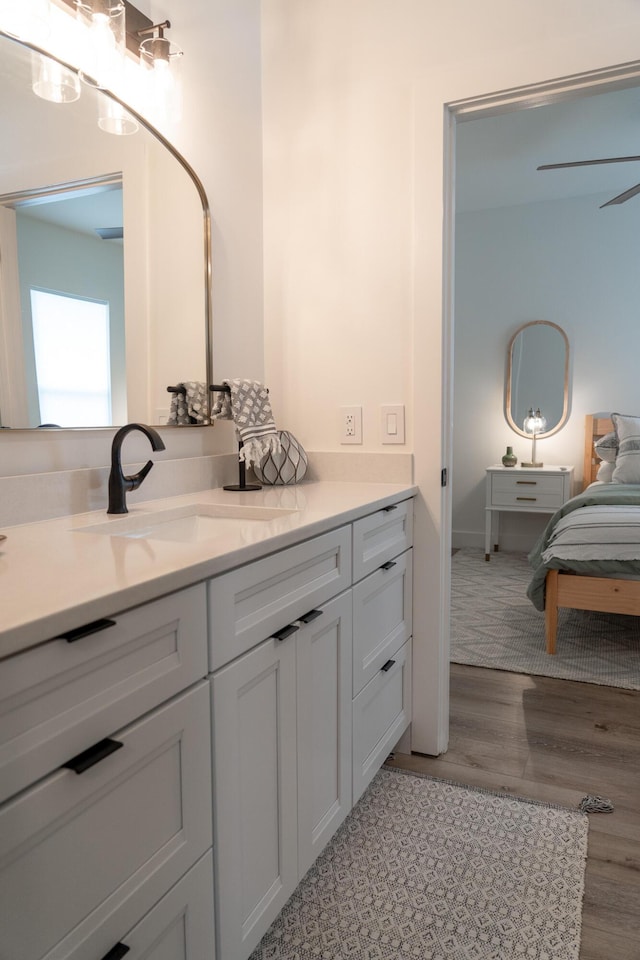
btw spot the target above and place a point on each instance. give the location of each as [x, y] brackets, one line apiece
[526, 490]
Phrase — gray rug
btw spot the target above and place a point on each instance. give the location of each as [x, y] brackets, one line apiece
[493, 624]
[426, 870]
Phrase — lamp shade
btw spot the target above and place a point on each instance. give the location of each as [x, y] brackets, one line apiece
[534, 423]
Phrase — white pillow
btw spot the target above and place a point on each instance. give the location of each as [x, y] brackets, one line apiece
[605, 472]
[607, 447]
[627, 465]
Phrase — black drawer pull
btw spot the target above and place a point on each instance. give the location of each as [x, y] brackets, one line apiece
[117, 952]
[393, 506]
[387, 666]
[88, 758]
[72, 635]
[529, 499]
[311, 616]
[388, 565]
[285, 632]
[526, 483]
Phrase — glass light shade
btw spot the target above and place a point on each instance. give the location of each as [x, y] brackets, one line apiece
[164, 91]
[534, 423]
[115, 119]
[104, 42]
[52, 81]
[25, 19]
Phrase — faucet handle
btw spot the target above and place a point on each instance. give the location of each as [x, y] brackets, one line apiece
[134, 482]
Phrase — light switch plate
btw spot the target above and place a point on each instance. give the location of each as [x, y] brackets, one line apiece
[392, 423]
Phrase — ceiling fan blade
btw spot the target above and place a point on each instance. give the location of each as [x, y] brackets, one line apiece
[585, 163]
[623, 197]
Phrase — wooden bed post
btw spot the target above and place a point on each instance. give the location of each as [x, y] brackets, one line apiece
[551, 610]
[589, 453]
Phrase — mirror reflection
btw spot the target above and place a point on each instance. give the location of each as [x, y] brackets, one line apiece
[537, 376]
[104, 296]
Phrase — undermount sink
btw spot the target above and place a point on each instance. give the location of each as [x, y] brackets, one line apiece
[189, 524]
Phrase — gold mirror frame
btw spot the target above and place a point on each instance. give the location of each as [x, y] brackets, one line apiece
[509, 378]
[206, 213]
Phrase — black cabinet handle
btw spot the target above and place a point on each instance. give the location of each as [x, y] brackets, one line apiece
[388, 565]
[117, 952]
[72, 635]
[88, 758]
[311, 616]
[285, 632]
[387, 666]
[393, 506]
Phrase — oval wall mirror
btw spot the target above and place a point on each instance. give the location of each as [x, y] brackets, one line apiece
[537, 376]
[120, 223]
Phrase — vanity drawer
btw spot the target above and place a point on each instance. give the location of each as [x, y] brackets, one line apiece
[517, 490]
[249, 604]
[380, 537]
[86, 853]
[381, 714]
[382, 617]
[179, 927]
[58, 697]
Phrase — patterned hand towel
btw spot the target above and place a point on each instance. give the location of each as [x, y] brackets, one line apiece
[189, 404]
[248, 406]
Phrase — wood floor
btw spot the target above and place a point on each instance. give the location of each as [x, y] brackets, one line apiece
[557, 741]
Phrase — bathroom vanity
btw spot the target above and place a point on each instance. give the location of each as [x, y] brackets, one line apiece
[189, 716]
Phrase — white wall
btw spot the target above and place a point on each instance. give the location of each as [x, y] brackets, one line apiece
[564, 261]
[354, 138]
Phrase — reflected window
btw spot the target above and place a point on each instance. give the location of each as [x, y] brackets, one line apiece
[71, 345]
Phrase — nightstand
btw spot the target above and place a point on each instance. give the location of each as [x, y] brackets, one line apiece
[523, 490]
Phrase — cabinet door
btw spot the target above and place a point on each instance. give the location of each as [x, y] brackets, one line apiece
[255, 801]
[323, 649]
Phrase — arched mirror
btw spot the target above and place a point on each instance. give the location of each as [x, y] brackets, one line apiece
[119, 222]
[537, 377]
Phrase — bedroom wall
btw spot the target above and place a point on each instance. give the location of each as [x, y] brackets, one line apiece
[564, 261]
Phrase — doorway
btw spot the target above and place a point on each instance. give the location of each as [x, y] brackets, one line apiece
[481, 432]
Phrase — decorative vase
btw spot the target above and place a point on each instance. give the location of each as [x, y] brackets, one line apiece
[288, 466]
[509, 459]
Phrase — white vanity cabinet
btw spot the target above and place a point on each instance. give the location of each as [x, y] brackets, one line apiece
[306, 704]
[113, 730]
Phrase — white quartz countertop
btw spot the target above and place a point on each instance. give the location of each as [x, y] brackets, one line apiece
[55, 576]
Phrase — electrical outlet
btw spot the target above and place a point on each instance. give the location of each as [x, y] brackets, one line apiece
[350, 424]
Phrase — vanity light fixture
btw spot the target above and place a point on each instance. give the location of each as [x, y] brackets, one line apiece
[162, 58]
[104, 42]
[534, 423]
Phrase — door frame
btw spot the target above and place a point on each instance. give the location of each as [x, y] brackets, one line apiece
[603, 80]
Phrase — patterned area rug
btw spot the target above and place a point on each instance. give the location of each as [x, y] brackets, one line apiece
[493, 624]
[425, 870]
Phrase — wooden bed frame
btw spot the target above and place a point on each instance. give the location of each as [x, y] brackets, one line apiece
[602, 594]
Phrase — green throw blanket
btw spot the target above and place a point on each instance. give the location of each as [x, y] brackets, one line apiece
[601, 495]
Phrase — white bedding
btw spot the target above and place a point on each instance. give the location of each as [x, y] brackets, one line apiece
[604, 532]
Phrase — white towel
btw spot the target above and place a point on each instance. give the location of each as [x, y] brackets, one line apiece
[248, 406]
[189, 404]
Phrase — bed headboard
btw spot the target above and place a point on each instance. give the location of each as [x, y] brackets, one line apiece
[596, 425]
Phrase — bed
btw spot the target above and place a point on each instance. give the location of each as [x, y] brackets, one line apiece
[588, 556]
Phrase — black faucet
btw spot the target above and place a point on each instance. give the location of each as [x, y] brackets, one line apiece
[118, 483]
